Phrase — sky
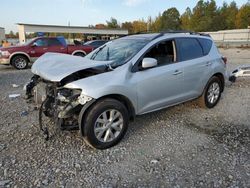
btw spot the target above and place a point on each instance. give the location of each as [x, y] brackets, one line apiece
[86, 12]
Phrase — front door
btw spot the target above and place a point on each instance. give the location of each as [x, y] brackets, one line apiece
[38, 48]
[159, 86]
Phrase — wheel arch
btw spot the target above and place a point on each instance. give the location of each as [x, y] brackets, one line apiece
[21, 54]
[128, 104]
[79, 51]
[222, 79]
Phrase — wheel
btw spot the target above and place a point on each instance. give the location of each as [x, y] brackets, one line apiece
[105, 124]
[80, 54]
[211, 94]
[20, 62]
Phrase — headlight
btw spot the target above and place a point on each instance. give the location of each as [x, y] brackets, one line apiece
[5, 53]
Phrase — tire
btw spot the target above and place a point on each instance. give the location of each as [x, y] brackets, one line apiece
[98, 131]
[20, 62]
[211, 94]
[80, 54]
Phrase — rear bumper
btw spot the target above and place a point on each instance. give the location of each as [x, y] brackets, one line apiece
[4, 61]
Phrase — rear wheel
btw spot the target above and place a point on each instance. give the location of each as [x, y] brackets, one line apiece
[20, 62]
[105, 124]
[212, 93]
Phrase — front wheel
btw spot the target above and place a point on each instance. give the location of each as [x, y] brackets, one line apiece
[80, 54]
[212, 93]
[105, 124]
[20, 62]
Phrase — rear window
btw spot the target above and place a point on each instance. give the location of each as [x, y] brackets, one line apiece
[206, 45]
[190, 48]
[54, 42]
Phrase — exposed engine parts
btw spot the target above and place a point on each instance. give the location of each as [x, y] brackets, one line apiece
[57, 103]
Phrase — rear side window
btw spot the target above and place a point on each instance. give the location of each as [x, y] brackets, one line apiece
[190, 48]
[206, 45]
[54, 42]
[41, 42]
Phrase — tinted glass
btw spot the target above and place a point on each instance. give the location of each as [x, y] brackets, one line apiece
[54, 42]
[190, 48]
[206, 45]
[41, 42]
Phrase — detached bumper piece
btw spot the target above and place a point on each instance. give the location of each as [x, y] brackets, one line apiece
[243, 71]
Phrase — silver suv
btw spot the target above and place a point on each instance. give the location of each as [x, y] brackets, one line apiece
[126, 77]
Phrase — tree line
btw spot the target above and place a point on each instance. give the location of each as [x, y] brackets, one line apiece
[205, 16]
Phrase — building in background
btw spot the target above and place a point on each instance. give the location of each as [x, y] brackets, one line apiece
[2, 34]
[108, 33]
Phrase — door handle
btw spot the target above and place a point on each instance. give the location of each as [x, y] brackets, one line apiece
[45, 48]
[62, 48]
[177, 72]
[208, 63]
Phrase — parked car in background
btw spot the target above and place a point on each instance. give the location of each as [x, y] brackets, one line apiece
[129, 76]
[95, 43]
[20, 56]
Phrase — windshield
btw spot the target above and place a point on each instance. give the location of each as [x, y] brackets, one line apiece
[118, 51]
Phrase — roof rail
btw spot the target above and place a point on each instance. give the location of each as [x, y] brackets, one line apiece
[186, 31]
[148, 32]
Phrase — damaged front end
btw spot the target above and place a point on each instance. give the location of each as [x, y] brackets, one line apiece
[60, 104]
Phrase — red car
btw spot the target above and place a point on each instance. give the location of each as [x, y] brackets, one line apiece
[20, 56]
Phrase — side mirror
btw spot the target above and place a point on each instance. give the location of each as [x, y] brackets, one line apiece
[149, 63]
[34, 44]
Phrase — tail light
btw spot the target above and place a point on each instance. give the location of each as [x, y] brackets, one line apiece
[224, 59]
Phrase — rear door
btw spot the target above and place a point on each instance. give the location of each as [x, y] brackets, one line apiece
[54, 45]
[196, 66]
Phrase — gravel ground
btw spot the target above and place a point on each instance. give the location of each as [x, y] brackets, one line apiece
[183, 146]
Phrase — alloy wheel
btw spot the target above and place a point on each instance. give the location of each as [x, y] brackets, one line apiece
[108, 125]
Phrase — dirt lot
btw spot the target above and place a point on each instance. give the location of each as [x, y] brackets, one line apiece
[183, 146]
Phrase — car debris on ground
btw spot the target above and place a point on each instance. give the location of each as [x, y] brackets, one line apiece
[13, 96]
[15, 85]
[241, 71]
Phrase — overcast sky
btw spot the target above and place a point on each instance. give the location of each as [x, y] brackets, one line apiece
[85, 12]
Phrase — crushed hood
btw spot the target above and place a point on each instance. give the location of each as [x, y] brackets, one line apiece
[54, 66]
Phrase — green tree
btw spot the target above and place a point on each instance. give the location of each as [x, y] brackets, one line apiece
[205, 16]
[228, 14]
[243, 16]
[113, 23]
[157, 24]
[139, 26]
[186, 19]
[128, 26]
[171, 19]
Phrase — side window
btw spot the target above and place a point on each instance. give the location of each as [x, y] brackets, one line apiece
[41, 42]
[190, 48]
[206, 45]
[163, 52]
[54, 42]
